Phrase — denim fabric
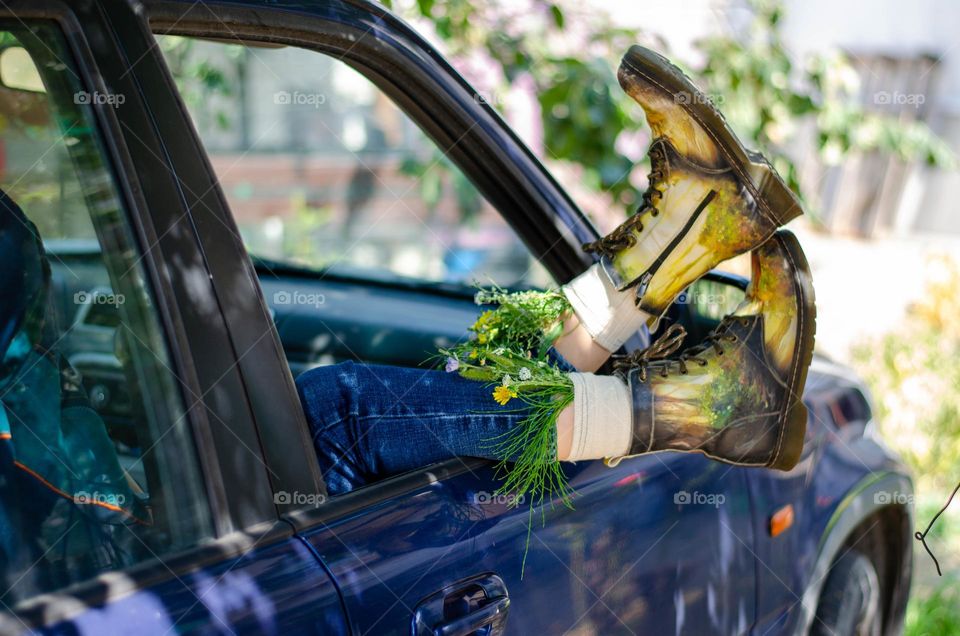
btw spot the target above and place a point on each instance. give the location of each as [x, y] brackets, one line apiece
[372, 421]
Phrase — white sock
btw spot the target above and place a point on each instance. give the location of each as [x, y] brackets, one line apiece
[602, 417]
[608, 315]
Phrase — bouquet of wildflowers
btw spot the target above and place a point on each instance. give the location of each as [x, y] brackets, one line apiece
[510, 352]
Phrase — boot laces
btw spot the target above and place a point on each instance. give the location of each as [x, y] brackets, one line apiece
[623, 236]
[657, 357]
[659, 351]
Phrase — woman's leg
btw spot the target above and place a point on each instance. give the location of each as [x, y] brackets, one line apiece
[736, 398]
[371, 421]
[578, 347]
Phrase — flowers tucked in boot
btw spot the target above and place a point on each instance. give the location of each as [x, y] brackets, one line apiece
[737, 397]
[708, 199]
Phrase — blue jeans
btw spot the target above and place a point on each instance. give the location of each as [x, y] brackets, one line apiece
[372, 421]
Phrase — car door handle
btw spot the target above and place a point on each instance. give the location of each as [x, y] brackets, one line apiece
[474, 606]
[493, 615]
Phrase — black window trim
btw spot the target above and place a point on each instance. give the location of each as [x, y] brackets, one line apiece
[264, 381]
[227, 438]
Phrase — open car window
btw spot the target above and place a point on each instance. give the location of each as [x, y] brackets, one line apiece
[325, 174]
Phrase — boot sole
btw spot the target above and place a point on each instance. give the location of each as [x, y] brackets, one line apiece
[773, 196]
[794, 416]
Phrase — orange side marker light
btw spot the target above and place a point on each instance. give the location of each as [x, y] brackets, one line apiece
[781, 520]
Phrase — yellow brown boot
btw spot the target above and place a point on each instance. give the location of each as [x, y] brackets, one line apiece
[737, 397]
[708, 199]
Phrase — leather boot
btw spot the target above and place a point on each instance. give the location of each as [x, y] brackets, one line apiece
[736, 397]
[708, 199]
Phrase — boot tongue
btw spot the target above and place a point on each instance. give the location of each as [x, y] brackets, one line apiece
[718, 332]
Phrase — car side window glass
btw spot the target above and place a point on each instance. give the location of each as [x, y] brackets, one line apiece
[97, 468]
[323, 171]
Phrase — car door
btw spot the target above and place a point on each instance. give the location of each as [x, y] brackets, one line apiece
[158, 514]
[658, 543]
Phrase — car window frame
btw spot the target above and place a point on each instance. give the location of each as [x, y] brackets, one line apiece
[233, 535]
[438, 100]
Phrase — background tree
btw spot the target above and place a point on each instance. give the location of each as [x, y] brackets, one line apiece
[769, 98]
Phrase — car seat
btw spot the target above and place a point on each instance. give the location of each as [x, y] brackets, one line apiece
[63, 497]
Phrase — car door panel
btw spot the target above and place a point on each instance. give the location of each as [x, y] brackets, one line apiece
[607, 566]
[278, 588]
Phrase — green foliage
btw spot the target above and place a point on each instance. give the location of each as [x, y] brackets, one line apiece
[914, 374]
[935, 614]
[584, 110]
[436, 174]
[199, 78]
[765, 97]
[524, 321]
[753, 77]
[302, 229]
[582, 118]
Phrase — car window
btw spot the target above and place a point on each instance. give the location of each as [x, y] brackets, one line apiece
[322, 170]
[97, 468]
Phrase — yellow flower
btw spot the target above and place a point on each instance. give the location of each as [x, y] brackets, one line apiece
[483, 320]
[503, 394]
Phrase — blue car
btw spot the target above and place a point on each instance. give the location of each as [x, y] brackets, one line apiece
[207, 242]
